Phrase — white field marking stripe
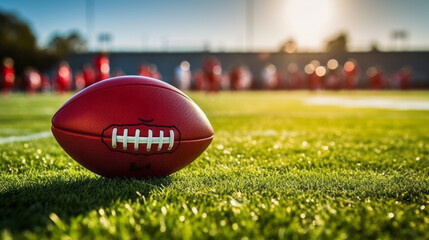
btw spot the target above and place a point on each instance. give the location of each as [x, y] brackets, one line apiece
[370, 103]
[25, 138]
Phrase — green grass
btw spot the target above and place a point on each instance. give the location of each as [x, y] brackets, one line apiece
[277, 169]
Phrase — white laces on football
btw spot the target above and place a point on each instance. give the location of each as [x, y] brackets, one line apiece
[137, 140]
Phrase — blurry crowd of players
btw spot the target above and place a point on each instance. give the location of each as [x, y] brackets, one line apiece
[211, 77]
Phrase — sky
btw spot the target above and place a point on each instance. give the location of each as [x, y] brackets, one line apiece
[228, 25]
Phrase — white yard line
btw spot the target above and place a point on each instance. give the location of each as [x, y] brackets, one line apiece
[29, 137]
[369, 103]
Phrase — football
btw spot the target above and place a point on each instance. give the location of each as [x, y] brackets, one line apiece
[132, 126]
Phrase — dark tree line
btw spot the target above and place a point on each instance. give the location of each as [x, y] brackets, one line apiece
[18, 42]
[336, 44]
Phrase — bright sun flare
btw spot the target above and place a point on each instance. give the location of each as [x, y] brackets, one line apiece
[307, 20]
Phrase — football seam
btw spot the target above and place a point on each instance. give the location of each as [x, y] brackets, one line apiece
[95, 135]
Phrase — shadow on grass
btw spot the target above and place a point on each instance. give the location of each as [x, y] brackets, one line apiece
[29, 207]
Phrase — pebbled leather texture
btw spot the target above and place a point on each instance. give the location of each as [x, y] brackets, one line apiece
[83, 127]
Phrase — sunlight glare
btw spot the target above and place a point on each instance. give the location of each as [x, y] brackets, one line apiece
[349, 66]
[308, 20]
[332, 64]
[309, 68]
[320, 71]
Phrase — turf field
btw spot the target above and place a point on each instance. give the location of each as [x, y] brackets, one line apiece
[277, 169]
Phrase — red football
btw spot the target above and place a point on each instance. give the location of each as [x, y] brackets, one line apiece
[132, 126]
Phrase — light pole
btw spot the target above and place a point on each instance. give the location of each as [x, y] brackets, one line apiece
[249, 24]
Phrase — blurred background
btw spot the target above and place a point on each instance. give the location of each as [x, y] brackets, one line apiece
[219, 45]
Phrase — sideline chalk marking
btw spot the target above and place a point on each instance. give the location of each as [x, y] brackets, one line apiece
[34, 136]
[369, 103]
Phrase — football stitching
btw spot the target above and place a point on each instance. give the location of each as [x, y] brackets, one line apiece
[137, 140]
[174, 147]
